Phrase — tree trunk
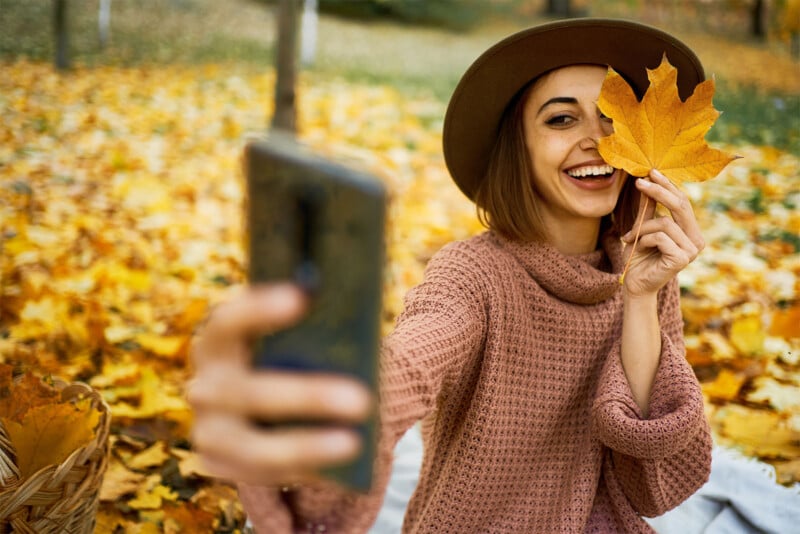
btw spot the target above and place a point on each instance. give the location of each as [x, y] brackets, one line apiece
[286, 61]
[103, 22]
[61, 36]
[759, 19]
[308, 32]
[560, 8]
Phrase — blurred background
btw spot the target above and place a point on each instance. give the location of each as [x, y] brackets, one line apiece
[122, 125]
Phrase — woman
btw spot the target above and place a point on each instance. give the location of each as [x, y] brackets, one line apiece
[552, 398]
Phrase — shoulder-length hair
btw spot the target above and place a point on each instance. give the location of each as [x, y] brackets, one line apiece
[506, 198]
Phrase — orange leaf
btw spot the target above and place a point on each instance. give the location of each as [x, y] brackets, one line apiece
[30, 391]
[660, 132]
[49, 433]
[725, 387]
[758, 432]
[786, 323]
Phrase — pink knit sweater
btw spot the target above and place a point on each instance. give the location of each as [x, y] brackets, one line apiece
[510, 355]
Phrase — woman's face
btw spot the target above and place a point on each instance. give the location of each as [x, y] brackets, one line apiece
[562, 125]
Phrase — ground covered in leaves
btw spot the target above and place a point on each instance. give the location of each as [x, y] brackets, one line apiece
[120, 225]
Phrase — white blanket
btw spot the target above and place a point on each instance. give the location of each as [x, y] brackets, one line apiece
[741, 496]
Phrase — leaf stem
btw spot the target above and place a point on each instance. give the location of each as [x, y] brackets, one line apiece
[635, 240]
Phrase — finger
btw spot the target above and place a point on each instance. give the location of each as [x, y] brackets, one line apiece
[273, 453]
[281, 396]
[235, 471]
[256, 311]
[672, 230]
[647, 208]
[662, 190]
[673, 256]
[260, 310]
[660, 178]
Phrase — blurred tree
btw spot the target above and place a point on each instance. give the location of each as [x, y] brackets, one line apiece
[758, 18]
[790, 24]
[61, 35]
[308, 32]
[103, 21]
[454, 14]
[286, 67]
[559, 8]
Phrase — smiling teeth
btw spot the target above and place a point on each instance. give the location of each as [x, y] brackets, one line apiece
[594, 170]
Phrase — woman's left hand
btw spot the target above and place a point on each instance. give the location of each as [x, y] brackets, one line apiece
[666, 244]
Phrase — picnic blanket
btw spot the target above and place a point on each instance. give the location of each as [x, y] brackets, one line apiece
[740, 497]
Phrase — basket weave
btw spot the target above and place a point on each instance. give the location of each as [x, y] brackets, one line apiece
[58, 498]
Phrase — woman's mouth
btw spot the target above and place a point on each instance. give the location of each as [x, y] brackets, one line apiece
[592, 176]
[591, 172]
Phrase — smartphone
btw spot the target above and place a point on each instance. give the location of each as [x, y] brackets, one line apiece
[320, 223]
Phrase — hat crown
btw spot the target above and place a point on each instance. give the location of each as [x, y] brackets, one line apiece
[477, 105]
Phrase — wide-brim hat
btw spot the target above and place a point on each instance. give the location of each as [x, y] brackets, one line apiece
[480, 98]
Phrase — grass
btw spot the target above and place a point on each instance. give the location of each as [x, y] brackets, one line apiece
[759, 93]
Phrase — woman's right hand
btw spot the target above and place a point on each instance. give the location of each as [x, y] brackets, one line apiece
[228, 395]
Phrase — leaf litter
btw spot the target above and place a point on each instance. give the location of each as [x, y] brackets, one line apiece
[120, 226]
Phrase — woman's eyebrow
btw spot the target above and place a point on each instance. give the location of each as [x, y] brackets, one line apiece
[558, 100]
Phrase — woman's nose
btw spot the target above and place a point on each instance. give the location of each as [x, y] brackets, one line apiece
[596, 128]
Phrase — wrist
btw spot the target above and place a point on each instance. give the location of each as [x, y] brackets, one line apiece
[630, 298]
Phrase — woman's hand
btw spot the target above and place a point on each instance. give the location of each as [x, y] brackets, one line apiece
[666, 244]
[227, 395]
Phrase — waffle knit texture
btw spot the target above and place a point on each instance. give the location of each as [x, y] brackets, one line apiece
[509, 353]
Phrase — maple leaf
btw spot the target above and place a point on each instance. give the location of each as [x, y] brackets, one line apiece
[27, 392]
[49, 433]
[660, 132]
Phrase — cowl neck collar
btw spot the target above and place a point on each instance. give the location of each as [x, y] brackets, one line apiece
[580, 279]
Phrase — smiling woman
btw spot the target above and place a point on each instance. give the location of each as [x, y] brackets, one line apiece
[552, 398]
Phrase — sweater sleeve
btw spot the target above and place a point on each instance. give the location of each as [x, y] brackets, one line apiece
[660, 461]
[436, 337]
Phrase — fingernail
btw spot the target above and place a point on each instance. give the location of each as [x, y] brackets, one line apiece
[627, 237]
[342, 442]
[353, 400]
[641, 182]
[285, 297]
[659, 174]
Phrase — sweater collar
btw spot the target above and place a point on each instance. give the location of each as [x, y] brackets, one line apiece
[581, 279]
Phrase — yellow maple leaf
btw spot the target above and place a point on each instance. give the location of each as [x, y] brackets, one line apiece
[747, 334]
[660, 132]
[725, 386]
[49, 433]
[152, 498]
[758, 432]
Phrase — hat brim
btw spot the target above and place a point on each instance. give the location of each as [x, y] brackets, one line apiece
[480, 98]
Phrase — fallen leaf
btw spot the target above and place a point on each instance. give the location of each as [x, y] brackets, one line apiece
[747, 335]
[782, 397]
[725, 386]
[152, 498]
[152, 456]
[759, 433]
[119, 481]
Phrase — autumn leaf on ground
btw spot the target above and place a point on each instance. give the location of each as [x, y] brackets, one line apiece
[660, 132]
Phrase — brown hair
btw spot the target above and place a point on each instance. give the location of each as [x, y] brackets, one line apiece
[506, 198]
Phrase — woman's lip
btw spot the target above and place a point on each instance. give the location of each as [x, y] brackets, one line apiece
[593, 184]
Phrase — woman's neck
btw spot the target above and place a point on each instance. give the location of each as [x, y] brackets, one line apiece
[574, 237]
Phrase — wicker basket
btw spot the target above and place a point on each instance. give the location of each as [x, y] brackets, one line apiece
[57, 498]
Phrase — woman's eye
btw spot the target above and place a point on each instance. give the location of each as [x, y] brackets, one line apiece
[560, 120]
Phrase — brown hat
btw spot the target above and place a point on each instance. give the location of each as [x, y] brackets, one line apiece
[478, 102]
